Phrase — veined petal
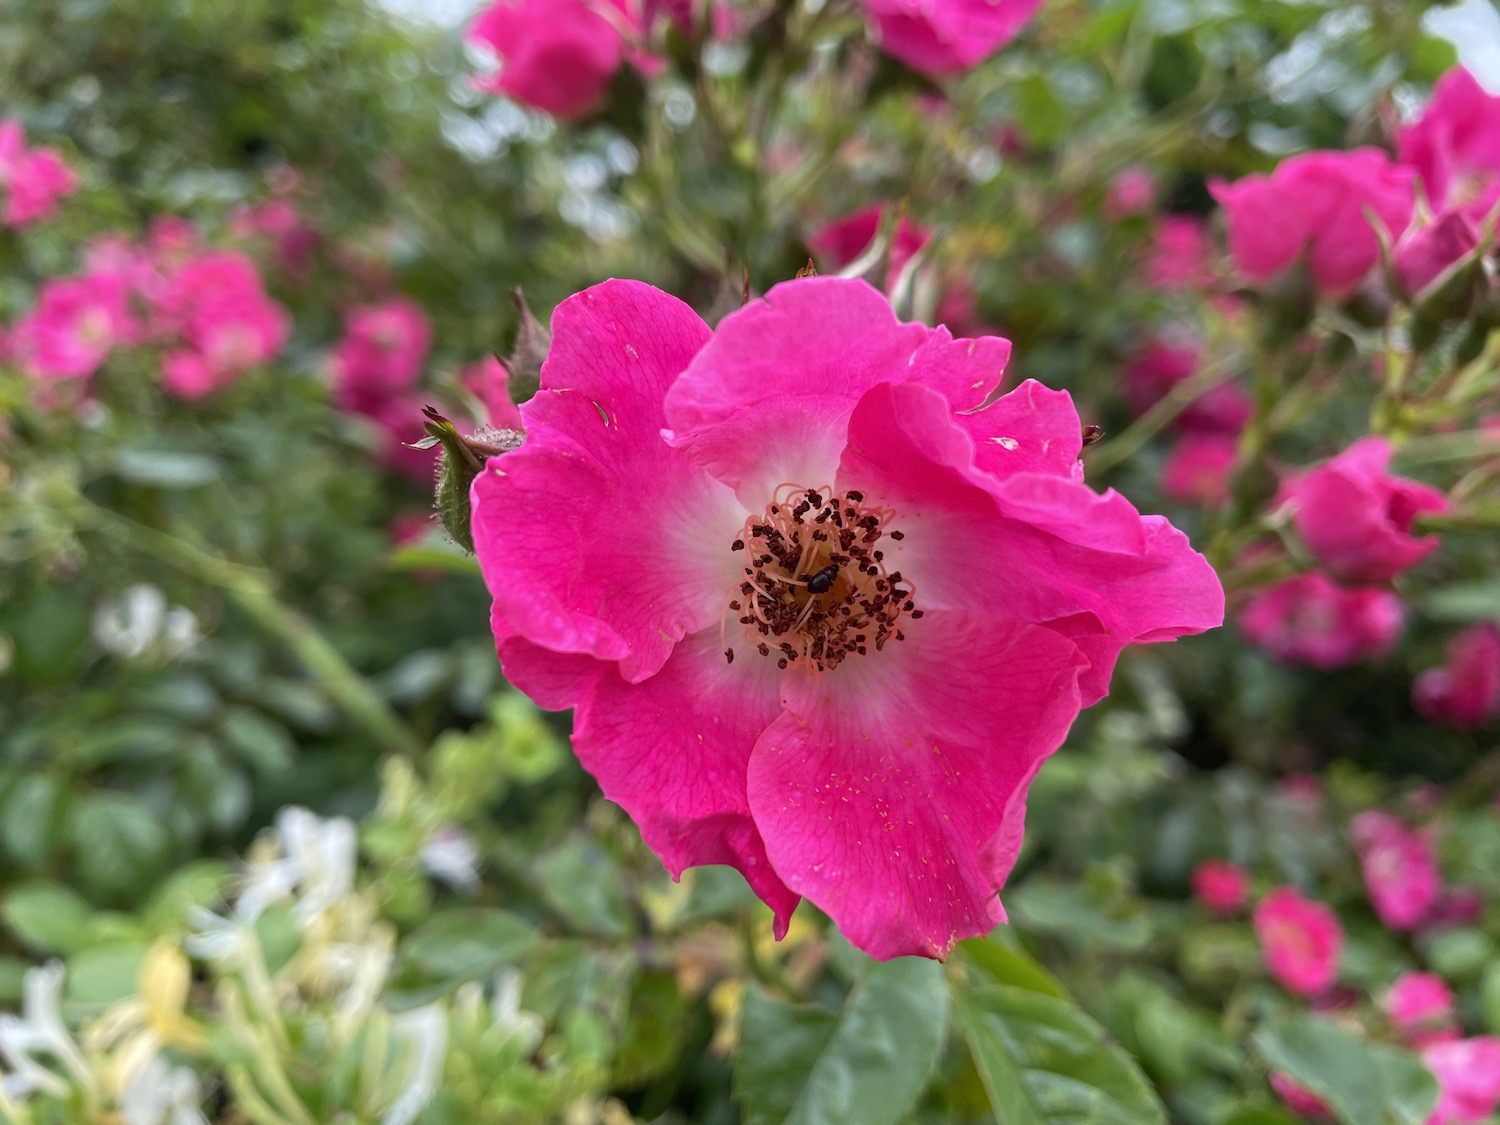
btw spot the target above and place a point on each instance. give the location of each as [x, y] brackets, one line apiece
[768, 400]
[1032, 429]
[882, 792]
[672, 752]
[597, 537]
[1041, 548]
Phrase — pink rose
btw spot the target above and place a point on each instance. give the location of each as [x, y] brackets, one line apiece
[1356, 518]
[943, 37]
[1425, 252]
[759, 562]
[1158, 369]
[1465, 692]
[76, 323]
[489, 382]
[1455, 145]
[1196, 470]
[844, 240]
[229, 325]
[1316, 204]
[1306, 619]
[34, 179]
[1299, 1099]
[1131, 192]
[381, 354]
[1301, 941]
[556, 55]
[1468, 1074]
[1400, 870]
[1420, 1003]
[1181, 255]
[1221, 886]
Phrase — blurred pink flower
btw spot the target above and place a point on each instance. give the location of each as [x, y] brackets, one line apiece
[1301, 940]
[1399, 867]
[1455, 145]
[77, 321]
[1306, 619]
[489, 382]
[1299, 1099]
[1464, 692]
[216, 305]
[1316, 204]
[1424, 252]
[1420, 1002]
[1221, 886]
[557, 55]
[279, 222]
[1196, 470]
[943, 37]
[1468, 1074]
[381, 354]
[1181, 254]
[769, 573]
[842, 241]
[1356, 518]
[1161, 366]
[34, 179]
[1131, 192]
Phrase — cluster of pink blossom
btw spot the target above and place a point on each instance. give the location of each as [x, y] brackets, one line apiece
[204, 309]
[1302, 944]
[561, 55]
[1331, 209]
[32, 179]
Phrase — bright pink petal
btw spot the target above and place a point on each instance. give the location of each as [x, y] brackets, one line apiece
[1032, 429]
[672, 752]
[596, 536]
[1036, 547]
[768, 400]
[880, 791]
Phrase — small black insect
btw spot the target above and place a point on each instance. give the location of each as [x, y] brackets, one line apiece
[822, 582]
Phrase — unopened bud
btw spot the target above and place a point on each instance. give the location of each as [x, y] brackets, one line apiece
[529, 353]
[462, 460]
[1092, 435]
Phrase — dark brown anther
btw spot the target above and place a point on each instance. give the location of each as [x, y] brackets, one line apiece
[729, 656]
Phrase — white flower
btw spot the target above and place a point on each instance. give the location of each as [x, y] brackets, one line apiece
[422, 1036]
[128, 625]
[449, 855]
[39, 1031]
[316, 866]
[158, 1094]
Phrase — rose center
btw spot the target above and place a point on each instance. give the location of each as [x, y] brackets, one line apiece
[815, 588]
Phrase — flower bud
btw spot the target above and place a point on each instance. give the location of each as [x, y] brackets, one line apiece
[462, 460]
[529, 353]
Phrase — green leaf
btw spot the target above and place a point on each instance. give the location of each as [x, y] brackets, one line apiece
[806, 1065]
[26, 820]
[468, 944]
[1362, 1084]
[581, 881]
[12, 981]
[120, 843]
[1044, 1062]
[265, 745]
[656, 1029]
[1004, 960]
[165, 468]
[1258, 1115]
[105, 974]
[47, 917]
[1489, 997]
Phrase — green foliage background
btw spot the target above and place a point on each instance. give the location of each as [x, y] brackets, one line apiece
[357, 679]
